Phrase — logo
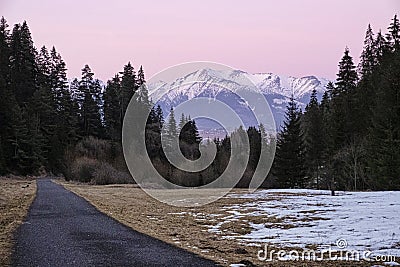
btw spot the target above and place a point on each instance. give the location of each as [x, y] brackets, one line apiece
[212, 107]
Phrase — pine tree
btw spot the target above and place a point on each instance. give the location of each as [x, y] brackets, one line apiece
[67, 110]
[153, 135]
[22, 63]
[142, 96]
[393, 36]
[140, 77]
[255, 139]
[128, 88]
[313, 127]
[380, 47]
[26, 156]
[112, 109]
[90, 110]
[367, 60]
[347, 75]
[342, 121]
[289, 165]
[171, 130]
[331, 91]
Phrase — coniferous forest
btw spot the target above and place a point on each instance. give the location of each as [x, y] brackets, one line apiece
[350, 140]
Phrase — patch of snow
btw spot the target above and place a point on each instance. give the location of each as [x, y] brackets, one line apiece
[366, 220]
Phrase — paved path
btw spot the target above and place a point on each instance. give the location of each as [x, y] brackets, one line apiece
[63, 229]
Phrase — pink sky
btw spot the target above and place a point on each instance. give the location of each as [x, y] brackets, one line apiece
[284, 37]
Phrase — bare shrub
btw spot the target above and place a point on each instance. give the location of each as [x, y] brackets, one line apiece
[83, 169]
[107, 174]
[96, 161]
[92, 147]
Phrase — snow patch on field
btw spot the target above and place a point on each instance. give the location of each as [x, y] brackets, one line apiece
[299, 218]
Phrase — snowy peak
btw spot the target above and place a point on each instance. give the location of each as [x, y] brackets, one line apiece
[222, 85]
[268, 83]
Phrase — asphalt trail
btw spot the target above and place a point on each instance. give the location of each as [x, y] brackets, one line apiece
[63, 229]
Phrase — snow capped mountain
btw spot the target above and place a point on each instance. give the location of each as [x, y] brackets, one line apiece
[222, 85]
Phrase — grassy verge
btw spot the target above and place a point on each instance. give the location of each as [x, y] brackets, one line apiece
[15, 198]
[187, 228]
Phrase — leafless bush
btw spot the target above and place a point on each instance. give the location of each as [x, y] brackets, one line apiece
[83, 169]
[107, 174]
[94, 148]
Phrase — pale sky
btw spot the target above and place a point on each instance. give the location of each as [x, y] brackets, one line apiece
[295, 37]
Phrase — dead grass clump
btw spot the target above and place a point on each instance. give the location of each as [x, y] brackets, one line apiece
[15, 198]
[236, 228]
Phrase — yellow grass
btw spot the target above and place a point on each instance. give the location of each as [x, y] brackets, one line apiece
[184, 227]
[15, 198]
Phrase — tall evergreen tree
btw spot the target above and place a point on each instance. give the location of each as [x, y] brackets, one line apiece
[342, 119]
[289, 165]
[347, 75]
[140, 77]
[313, 128]
[171, 128]
[128, 88]
[393, 36]
[22, 63]
[380, 47]
[367, 60]
[90, 110]
[112, 109]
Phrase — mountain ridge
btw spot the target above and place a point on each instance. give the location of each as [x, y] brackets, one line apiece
[222, 85]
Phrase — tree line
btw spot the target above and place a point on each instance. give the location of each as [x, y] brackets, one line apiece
[350, 140]
[46, 121]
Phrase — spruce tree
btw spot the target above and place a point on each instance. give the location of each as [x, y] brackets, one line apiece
[380, 47]
[367, 60]
[23, 66]
[289, 165]
[112, 109]
[342, 116]
[313, 127]
[90, 110]
[393, 36]
[171, 129]
[128, 88]
[140, 77]
[347, 75]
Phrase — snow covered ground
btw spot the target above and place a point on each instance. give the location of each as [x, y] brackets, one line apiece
[303, 218]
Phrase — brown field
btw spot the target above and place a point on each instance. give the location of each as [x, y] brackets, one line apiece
[187, 228]
[15, 198]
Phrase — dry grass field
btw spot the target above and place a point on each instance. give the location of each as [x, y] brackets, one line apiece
[188, 228]
[15, 198]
